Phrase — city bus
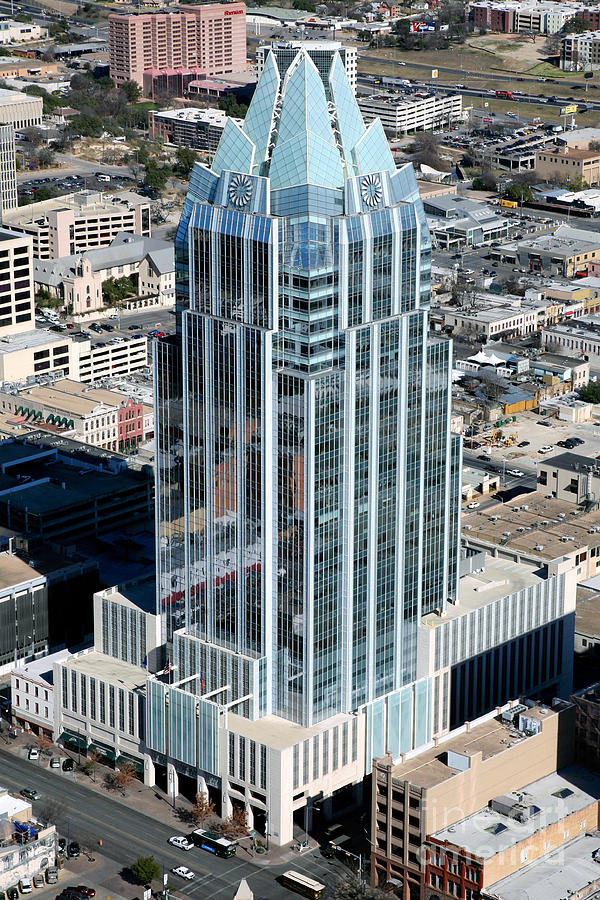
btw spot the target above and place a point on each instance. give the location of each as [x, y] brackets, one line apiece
[220, 846]
[300, 884]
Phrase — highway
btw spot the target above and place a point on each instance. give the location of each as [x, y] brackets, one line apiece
[519, 96]
[127, 834]
[364, 60]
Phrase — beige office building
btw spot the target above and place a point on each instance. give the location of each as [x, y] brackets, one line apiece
[568, 164]
[20, 110]
[78, 222]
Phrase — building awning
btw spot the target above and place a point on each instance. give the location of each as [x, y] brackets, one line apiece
[107, 752]
[137, 763]
[80, 743]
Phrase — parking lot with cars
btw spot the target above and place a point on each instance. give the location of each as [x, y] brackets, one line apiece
[95, 181]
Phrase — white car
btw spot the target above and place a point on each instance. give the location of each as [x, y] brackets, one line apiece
[183, 872]
[34, 753]
[25, 886]
[178, 840]
[473, 505]
[516, 473]
[545, 449]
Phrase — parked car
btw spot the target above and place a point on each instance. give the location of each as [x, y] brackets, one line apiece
[546, 449]
[34, 753]
[52, 875]
[68, 765]
[577, 441]
[55, 762]
[12, 893]
[516, 473]
[25, 885]
[38, 880]
[472, 445]
[86, 891]
[62, 845]
[31, 794]
[523, 444]
[473, 505]
[107, 327]
[73, 850]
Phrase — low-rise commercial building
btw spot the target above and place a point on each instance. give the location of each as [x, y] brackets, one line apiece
[20, 110]
[402, 114]
[28, 847]
[81, 221]
[96, 416]
[421, 793]
[32, 694]
[77, 280]
[191, 127]
[568, 165]
[12, 32]
[519, 828]
[581, 337]
[565, 251]
[491, 323]
[536, 528]
[460, 221]
[537, 17]
[46, 496]
[587, 726]
[570, 477]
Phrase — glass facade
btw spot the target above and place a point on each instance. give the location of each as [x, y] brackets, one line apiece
[308, 485]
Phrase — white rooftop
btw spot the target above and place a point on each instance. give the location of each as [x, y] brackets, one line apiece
[10, 806]
[41, 669]
[541, 803]
[561, 874]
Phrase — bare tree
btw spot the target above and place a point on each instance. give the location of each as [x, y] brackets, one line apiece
[236, 825]
[94, 758]
[54, 811]
[126, 776]
[203, 808]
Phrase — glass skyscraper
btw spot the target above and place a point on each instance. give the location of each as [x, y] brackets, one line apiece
[308, 484]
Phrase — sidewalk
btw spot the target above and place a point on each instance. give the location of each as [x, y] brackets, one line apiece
[150, 801]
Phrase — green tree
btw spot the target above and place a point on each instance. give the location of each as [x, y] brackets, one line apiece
[590, 392]
[186, 157]
[156, 178]
[116, 289]
[145, 869]
[305, 5]
[45, 157]
[132, 91]
[232, 107]
[577, 183]
[576, 25]
[519, 192]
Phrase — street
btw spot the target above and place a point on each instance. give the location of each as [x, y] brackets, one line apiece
[127, 834]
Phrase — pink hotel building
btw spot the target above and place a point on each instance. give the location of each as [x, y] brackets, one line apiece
[209, 38]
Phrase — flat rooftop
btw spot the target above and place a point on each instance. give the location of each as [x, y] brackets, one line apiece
[537, 524]
[11, 806]
[587, 612]
[568, 870]
[40, 337]
[490, 738]
[107, 668]
[81, 202]
[7, 97]
[487, 832]
[277, 732]
[499, 578]
[14, 571]
[75, 403]
[41, 669]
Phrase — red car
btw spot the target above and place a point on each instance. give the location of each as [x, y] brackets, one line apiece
[86, 891]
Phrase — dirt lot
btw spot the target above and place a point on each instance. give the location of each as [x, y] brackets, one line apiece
[527, 428]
